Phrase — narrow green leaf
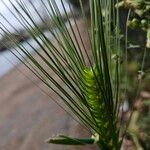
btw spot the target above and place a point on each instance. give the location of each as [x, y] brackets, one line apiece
[64, 140]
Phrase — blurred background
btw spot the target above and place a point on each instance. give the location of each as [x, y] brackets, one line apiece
[28, 116]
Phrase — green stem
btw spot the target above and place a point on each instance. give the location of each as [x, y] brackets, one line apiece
[147, 3]
[148, 38]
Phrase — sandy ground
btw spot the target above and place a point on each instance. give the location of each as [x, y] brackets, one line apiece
[28, 116]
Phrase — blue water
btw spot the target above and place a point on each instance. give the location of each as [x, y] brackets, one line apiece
[8, 60]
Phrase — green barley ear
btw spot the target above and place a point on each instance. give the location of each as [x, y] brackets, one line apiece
[87, 80]
[93, 94]
[94, 98]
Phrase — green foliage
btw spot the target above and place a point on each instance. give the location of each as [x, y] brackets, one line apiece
[142, 19]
